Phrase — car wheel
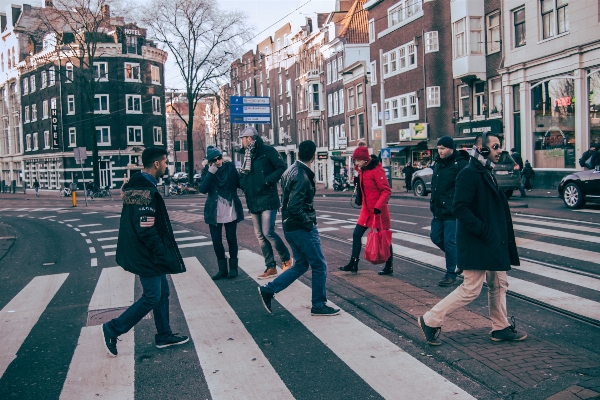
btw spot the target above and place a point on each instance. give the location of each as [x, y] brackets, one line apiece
[419, 188]
[572, 196]
[508, 193]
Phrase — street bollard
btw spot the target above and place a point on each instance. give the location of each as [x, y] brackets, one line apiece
[74, 198]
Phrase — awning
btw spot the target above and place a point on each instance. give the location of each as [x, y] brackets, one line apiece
[474, 128]
[397, 149]
[464, 139]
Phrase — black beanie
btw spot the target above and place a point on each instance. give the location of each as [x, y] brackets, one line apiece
[446, 141]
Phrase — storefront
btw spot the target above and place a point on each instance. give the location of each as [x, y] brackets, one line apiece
[465, 133]
[413, 152]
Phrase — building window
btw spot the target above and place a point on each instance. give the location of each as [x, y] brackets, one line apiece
[25, 85]
[433, 96]
[26, 116]
[288, 110]
[155, 73]
[328, 73]
[44, 79]
[495, 97]
[336, 103]
[350, 99]
[131, 43]
[352, 127]
[554, 14]
[403, 10]
[53, 103]
[280, 84]
[32, 83]
[329, 105]
[374, 115]
[134, 135]
[46, 139]
[28, 142]
[359, 96]
[72, 137]
[399, 60]
[562, 16]
[101, 71]
[101, 104]
[463, 102]
[35, 141]
[341, 101]
[431, 42]
[157, 134]
[134, 103]
[476, 35]
[156, 105]
[403, 108]
[70, 104]
[340, 67]
[69, 73]
[361, 126]
[45, 109]
[519, 23]
[132, 72]
[103, 135]
[51, 76]
[315, 96]
[460, 44]
[478, 100]
[371, 31]
[493, 32]
[33, 112]
[288, 88]
[334, 74]
[373, 72]
[281, 112]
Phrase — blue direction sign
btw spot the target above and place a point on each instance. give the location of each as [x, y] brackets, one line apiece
[250, 110]
[386, 153]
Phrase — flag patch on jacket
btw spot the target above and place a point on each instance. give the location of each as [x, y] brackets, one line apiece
[146, 222]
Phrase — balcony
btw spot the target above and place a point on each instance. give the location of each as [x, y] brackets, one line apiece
[469, 67]
[468, 40]
[313, 75]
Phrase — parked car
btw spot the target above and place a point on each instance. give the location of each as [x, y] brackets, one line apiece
[506, 172]
[179, 176]
[579, 187]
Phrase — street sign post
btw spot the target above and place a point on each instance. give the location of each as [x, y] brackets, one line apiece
[386, 153]
[250, 110]
[80, 157]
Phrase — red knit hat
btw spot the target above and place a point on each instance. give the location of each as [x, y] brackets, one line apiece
[361, 153]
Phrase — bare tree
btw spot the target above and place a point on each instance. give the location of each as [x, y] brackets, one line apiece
[203, 40]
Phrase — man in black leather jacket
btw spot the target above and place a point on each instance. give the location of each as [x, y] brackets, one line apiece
[299, 221]
[146, 247]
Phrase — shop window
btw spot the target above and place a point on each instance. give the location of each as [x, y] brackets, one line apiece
[479, 100]
[594, 96]
[495, 89]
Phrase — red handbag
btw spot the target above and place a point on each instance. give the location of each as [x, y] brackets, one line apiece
[377, 250]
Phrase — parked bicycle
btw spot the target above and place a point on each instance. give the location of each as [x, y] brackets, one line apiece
[102, 193]
[64, 191]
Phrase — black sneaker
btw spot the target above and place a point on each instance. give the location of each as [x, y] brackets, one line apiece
[508, 334]
[431, 334]
[447, 281]
[173, 340]
[324, 311]
[266, 298]
[110, 343]
[459, 271]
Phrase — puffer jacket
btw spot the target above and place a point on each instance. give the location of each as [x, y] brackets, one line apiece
[260, 184]
[298, 211]
[375, 192]
[209, 185]
[146, 245]
[443, 182]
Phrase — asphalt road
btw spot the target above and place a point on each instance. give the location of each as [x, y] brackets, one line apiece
[555, 296]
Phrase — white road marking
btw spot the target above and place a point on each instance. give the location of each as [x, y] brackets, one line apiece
[200, 244]
[109, 246]
[92, 371]
[556, 249]
[88, 241]
[20, 315]
[113, 216]
[106, 231]
[82, 234]
[76, 229]
[110, 253]
[557, 233]
[176, 232]
[371, 356]
[187, 239]
[427, 228]
[94, 262]
[92, 250]
[558, 225]
[91, 212]
[337, 221]
[588, 211]
[60, 222]
[222, 341]
[71, 220]
[49, 216]
[107, 238]
[348, 226]
[88, 225]
[327, 229]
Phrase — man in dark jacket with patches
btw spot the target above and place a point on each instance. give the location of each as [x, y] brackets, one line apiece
[486, 245]
[146, 247]
[443, 225]
[261, 170]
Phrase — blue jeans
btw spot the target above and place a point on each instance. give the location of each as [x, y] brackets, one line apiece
[443, 235]
[156, 299]
[264, 229]
[306, 247]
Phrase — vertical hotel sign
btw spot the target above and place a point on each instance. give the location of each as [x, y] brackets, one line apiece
[54, 122]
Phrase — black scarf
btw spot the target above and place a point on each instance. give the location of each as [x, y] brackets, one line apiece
[222, 182]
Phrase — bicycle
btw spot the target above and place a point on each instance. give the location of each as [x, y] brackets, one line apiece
[102, 193]
[64, 192]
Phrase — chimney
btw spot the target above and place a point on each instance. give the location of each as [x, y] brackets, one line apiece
[105, 11]
[48, 4]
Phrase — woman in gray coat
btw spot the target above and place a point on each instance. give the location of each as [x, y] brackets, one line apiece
[223, 208]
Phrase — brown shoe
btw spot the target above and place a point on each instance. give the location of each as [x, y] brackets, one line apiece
[285, 265]
[268, 274]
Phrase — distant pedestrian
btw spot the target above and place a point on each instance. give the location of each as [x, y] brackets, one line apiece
[36, 186]
[89, 187]
[485, 242]
[528, 175]
[590, 159]
[408, 172]
[146, 247]
[300, 230]
[443, 225]
[517, 157]
[374, 192]
[261, 170]
[223, 209]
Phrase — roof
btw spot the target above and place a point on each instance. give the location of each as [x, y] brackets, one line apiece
[355, 26]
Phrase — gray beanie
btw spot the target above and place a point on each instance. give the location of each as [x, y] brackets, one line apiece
[212, 152]
[249, 131]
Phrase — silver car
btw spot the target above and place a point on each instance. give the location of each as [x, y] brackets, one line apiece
[506, 172]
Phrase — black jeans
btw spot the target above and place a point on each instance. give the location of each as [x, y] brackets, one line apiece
[359, 231]
[216, 235]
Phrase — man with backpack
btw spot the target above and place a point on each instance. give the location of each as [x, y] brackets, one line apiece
[589, 159]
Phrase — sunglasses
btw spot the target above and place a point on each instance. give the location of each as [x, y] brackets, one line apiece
[495, 146]
[217, 158]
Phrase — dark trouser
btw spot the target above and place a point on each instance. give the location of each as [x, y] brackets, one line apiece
[306, 247]
[407, 183]
[359, 231]
[264, 229]
[216, 234]
[521, 187]
[156, 299]
[443, 235]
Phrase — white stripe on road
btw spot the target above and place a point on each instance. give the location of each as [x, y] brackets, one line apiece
[91, 212]
[92, 250]
[49, 216]
[107, 238]
[92, 372]
[187, 239]
[109, 246]
[337, 221]
[20, 315]
[113, 216]
[200, 244]
[374, 358]
[76, 229]
[328, 229]
[557, 233]
[213, 324]
[176, 232]
[88, 241]
[588, 211]
[88, 225]
[106, 231]
[348, 226]
[558, 225]
[94, 262]
[556, 249]
[71, 220]
[110, 253]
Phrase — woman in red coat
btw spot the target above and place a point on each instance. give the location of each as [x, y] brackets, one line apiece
[375, 193]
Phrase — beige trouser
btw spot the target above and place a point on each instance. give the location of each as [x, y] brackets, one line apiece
[469, 291]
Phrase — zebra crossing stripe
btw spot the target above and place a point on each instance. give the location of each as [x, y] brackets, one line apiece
[557, 233]
[212, 324]
[374, 358]
[19, 316]
[92, 372]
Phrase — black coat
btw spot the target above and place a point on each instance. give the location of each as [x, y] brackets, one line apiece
[208, 185]
[260, 185]
[146, 245]
[485, 238]
[443, 182]
[517, 157]
[298, 211]
[408, 172]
